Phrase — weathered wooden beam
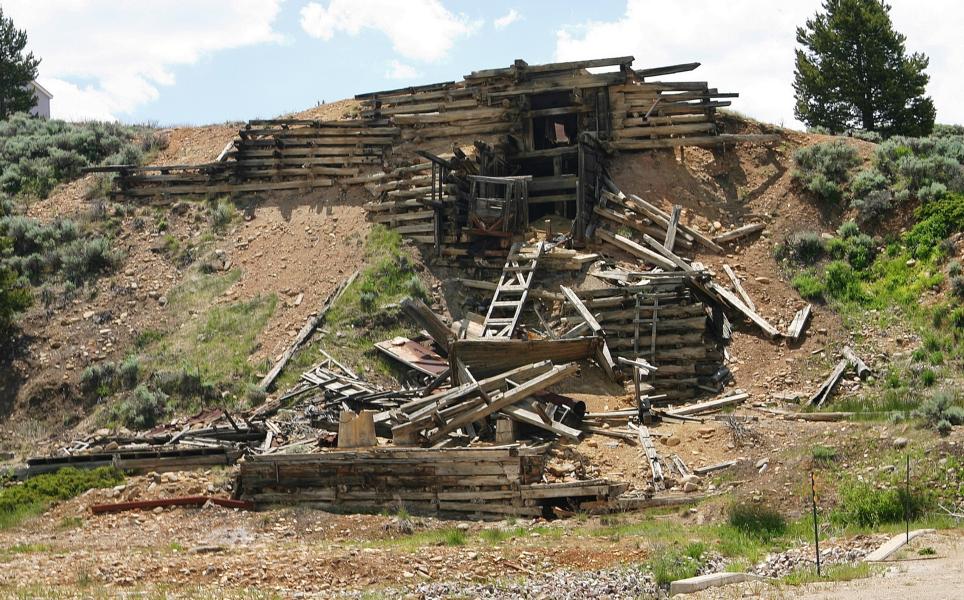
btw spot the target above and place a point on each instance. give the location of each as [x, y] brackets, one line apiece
[628, 245]
[863, 371]
[708, 406]
[505, 399]
[673, 225]
[738, 286]
[799, 322]
[428, 320]
[739, 232]
[827, 387]
[749, 313]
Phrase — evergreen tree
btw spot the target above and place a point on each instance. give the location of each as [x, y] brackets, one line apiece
[853, 72]
[17, 69]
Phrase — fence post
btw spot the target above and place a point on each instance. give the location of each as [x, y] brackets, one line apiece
[816, 531]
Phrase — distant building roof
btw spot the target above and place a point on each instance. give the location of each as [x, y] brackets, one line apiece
[41, 89]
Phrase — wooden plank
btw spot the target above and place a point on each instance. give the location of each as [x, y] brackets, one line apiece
[428, 320]
[749, 313]
[627, 245]
[739, 232]
[738, 286]
[799, 322]
[487, 357]
[673, 225]
[711, 405]
[677, 262]
[524, 415]
[507, 398]
[827, 387]
[664, 218]
[647, 443]
[863, 371]
[581, 309]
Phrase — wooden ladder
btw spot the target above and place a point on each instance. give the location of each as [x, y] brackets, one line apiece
[511, 292]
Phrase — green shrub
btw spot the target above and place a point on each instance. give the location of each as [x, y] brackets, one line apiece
[954, 268]
[848, 230]
[837, 248]
[33, 495]
[85, 259]
[841, 283]
[14, 297]
[942, 406]
[128, 372]
[757, 520]
[867, 181]
[98, 378]
[936, 221]
[861, 504]
[957, 318]
[957, 286]
[823, 168]
[221, 216]
[141, 410]
[808, 286]
[874, 205]
[805, 247]
[860, 251]
[928, 377]
[37, 154]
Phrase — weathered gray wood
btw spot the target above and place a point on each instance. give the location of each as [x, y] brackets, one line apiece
[739, 232]
[749, 313]
[863, 371]
[738, 286]
[678, 262]
[507, 398]
[524, 415]
[647, 442]
[799, 322]
[826, 389]
[716, 467]
[673, 225]
[710, 405]
[628, 245]
[428, 320]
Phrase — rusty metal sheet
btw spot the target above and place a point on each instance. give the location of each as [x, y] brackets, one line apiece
[414, 355]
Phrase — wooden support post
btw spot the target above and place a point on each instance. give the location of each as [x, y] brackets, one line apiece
[671, 230]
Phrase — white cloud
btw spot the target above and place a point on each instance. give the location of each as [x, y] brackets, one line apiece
[123, 52]
[399, 70]
[418, 29]
[507, 19]
[747, 46]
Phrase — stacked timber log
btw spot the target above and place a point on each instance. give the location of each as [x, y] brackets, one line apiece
[267, 156]
[661, 321]
[485, 482]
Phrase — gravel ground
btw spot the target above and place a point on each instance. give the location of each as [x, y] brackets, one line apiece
[608, 584]
[839, 552]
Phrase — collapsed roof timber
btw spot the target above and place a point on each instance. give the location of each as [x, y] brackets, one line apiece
[481, 173]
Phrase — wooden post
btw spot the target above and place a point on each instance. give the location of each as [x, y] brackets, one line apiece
[816, 531]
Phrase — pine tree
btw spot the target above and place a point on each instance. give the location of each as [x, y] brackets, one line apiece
[853, 72]
[17, 69]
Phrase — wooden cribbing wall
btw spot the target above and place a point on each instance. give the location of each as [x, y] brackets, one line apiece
[491, 481]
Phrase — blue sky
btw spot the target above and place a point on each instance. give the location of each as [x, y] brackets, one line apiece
[265, 80]
[207, 61]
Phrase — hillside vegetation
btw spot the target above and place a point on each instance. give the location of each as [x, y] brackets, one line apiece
[910, 272]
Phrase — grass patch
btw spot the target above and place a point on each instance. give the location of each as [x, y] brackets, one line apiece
[495, 536]
[823, 454]
[862, 504]
[670, 564]
[32, 497]
[447, 536]
[756, 520]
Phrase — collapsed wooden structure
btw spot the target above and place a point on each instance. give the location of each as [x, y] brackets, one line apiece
[486, 482]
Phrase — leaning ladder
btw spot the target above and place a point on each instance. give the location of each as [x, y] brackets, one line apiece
[511, 292]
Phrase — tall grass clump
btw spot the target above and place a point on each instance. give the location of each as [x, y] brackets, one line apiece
[757, 520]
[862, 504]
